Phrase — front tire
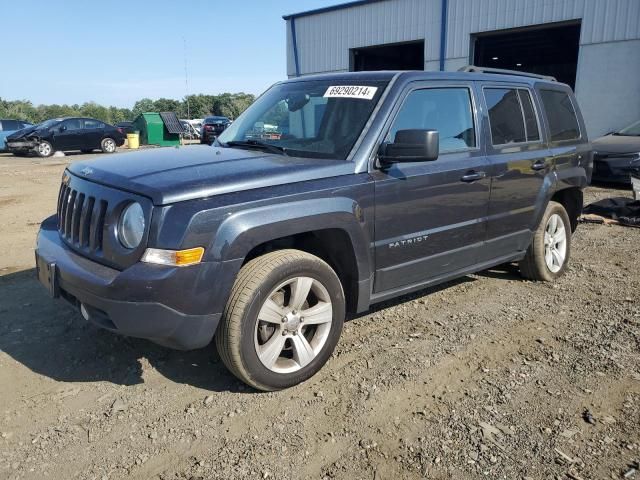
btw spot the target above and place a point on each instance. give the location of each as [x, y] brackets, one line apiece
[547, 256]
[282, 321]
[108, 145]
[44, 149]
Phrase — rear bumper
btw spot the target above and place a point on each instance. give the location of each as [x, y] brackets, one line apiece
[210, 135]
[142, 301]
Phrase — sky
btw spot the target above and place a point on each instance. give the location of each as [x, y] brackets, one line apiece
[115, 53]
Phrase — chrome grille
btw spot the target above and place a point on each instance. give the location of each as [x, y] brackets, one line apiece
[81, 218]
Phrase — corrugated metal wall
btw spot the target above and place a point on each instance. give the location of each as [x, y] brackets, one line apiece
[324, 40]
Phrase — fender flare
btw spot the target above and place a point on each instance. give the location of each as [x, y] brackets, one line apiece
[555, 182]
[240, 232]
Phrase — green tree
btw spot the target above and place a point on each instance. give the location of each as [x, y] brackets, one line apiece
[141, 106]
[231, 104]
[199, 106]
[166, 105]
[18, 109]
[93, 110]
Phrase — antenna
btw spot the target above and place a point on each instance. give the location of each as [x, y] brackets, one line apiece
[186, 76]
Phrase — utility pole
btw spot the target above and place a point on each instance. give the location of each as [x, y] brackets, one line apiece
[186, 77]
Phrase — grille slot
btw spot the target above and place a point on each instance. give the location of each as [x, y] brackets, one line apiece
[81, 218]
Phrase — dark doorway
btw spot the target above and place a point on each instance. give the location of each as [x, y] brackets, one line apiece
[550, 49]
[397, 56]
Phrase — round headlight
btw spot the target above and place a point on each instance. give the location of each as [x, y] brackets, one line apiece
[131, 226]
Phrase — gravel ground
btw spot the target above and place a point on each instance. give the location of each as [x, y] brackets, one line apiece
[489, 376]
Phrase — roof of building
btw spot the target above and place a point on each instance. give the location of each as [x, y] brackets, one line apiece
[330, 8]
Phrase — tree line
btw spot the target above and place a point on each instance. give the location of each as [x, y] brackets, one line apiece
[192, 106]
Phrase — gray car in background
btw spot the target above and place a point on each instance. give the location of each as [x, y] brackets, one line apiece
[617, 155]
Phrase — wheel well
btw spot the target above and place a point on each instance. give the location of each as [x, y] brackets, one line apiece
[331, 245]
[571, 199]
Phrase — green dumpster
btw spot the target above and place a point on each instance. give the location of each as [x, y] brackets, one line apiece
[153, 130]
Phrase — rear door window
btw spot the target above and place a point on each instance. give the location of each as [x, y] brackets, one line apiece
[563, 123]
[505, 116]
[447, 110]
[92, 124]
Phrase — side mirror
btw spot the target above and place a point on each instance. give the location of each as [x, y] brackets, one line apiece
[62, 128]
[411, 146]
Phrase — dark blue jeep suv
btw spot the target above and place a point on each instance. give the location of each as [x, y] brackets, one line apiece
[329, 194]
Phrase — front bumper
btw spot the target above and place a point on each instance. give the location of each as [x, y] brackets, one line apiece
[166, 305]
[21, 145]
[615, 170]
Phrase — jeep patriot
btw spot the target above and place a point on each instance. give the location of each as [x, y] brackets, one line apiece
[329, 194]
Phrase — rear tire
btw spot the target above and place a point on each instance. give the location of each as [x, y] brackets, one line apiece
[547, 256]
[282, 321]
[108, 145]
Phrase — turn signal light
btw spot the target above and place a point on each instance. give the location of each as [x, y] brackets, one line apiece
[176, 258]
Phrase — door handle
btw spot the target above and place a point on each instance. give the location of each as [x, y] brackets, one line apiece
[539, 165]
[472, 176]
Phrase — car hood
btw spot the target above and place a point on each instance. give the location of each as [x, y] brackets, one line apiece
[170, 175]
[616, 144]
[22, 133]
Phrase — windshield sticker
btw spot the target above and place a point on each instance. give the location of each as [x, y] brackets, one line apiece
[351, 91]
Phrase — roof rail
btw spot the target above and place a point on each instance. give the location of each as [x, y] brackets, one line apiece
[473, 68]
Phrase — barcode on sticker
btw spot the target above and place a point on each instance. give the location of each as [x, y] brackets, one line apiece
[351, 91]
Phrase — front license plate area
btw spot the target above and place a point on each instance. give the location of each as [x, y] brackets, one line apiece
[48, 275]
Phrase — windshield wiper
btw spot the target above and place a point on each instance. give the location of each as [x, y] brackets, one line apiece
[257, 144]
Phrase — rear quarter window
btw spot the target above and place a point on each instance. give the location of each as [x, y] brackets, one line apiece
[561, 116]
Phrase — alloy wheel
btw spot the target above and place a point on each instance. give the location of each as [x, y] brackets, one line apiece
[555, 243]
[109, 145]
[44, 149]
[293, 325]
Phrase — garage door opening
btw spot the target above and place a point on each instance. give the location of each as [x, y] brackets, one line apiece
[547, 50]
[397, 56]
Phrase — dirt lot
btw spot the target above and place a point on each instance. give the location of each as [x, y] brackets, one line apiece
[486, 377]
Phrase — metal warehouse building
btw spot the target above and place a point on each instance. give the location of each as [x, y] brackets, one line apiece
[593, 45]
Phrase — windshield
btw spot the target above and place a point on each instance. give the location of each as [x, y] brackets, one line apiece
[632, 130]
[315, 118]
[48, 123]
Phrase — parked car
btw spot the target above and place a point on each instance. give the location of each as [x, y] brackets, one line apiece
[125, 127]
[9, 126]
[66, 134]
[190, 131]
[212, 127]
[386, 183]
[617, 155]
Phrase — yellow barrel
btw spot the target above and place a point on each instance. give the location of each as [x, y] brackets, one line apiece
[133, 139]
